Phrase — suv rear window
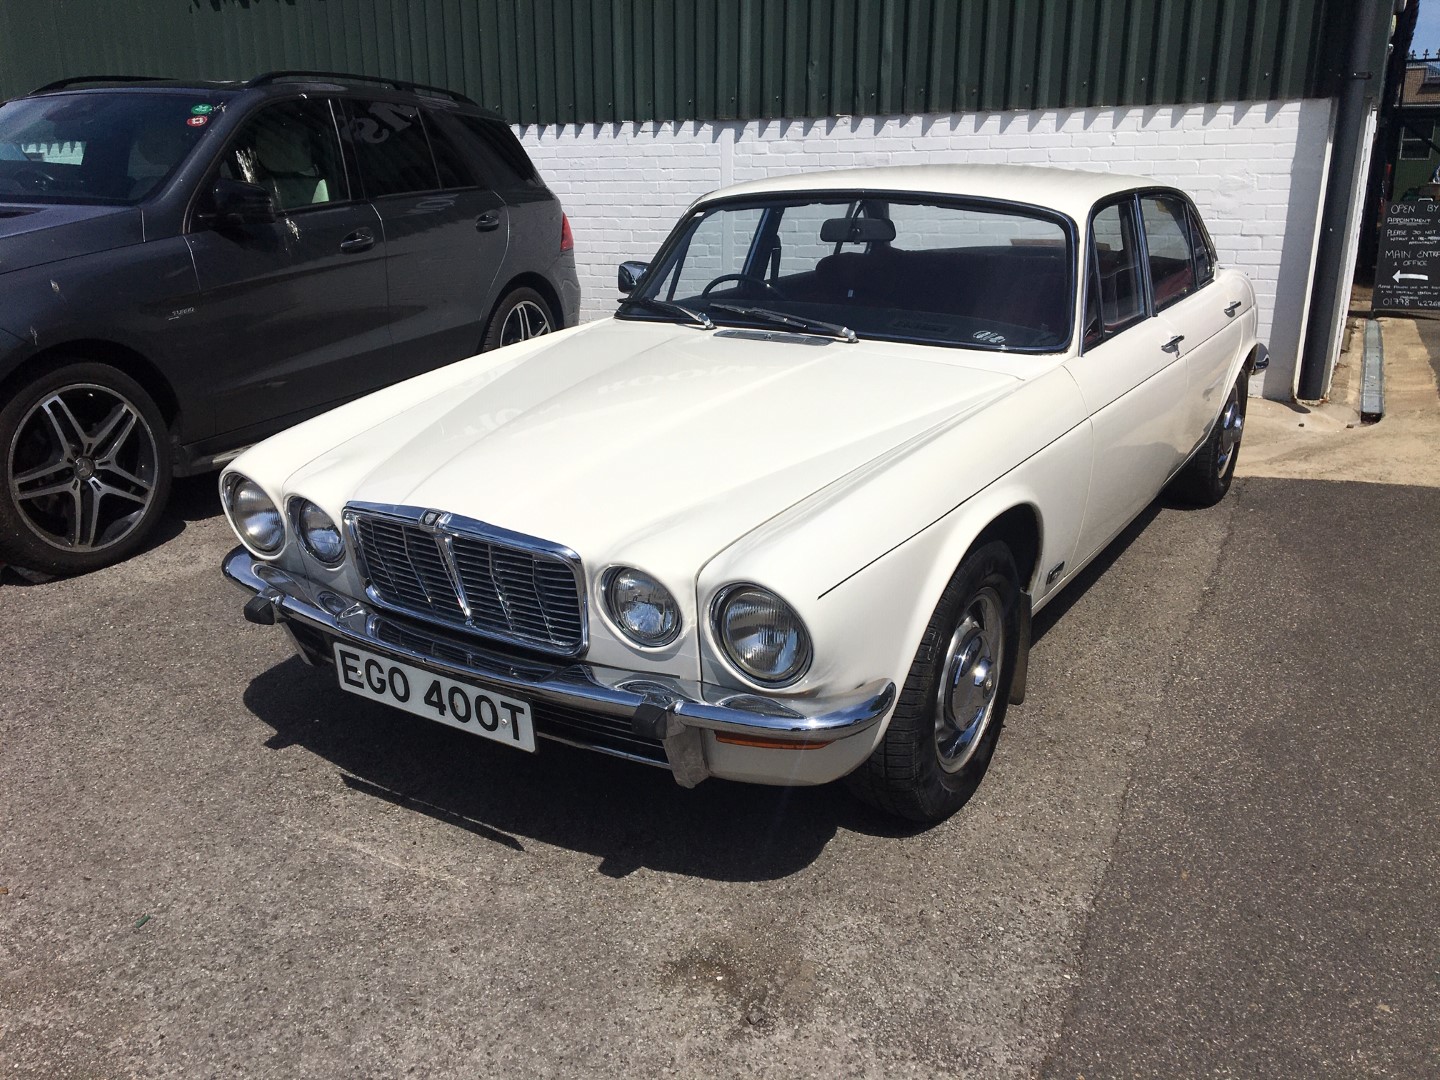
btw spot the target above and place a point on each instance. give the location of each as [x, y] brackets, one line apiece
[97, 147]
[391, 148]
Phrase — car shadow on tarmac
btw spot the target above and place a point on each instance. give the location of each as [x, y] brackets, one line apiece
[629, 815]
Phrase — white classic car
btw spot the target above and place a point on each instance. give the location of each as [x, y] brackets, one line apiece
[786, 516]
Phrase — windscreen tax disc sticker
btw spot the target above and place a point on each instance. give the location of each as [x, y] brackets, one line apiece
[198, 121]
[202, 109]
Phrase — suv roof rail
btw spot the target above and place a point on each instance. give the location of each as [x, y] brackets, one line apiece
[61, 84]
[340, 76]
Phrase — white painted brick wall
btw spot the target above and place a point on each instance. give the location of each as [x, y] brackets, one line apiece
[1255, 169]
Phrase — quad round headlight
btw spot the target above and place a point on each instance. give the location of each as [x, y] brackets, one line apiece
[641, 607]
[762, 635]
[255, 516]
[318, 532]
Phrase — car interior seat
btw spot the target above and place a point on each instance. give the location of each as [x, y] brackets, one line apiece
[287, 166]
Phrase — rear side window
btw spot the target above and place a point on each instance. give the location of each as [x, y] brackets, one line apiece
[451, 164]
[1167, 237]
[494, 146]
[391, 149]
[1114, 298]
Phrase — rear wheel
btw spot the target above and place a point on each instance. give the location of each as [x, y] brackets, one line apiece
[86, 470]
[1206, 477]
[523, 314]
[945, 726]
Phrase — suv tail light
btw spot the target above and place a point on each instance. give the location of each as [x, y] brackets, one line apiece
[567, 238]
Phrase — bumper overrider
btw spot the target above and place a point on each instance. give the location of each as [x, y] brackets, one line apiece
[627, 709]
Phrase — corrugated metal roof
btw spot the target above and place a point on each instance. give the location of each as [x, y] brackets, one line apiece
[568, 61]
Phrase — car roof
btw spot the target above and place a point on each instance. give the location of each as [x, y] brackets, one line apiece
[1071, 191]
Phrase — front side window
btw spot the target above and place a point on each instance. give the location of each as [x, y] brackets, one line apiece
[900, 268]
[1114, 298]
[391, 149]
[112, 147]
[291, 150]
[1167, 238]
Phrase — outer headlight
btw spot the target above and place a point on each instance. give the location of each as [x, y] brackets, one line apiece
[255, 517]
[762, 635]
[318, 532]
[641, 607]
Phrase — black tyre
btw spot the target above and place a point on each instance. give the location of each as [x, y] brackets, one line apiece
[523, 314]
[86, 470]
[1206, 477]
[952, 706]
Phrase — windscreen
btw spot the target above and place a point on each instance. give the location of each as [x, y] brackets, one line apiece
[107, 146]
[944, 272]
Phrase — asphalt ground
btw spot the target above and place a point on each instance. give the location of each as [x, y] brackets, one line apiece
[1207, 846]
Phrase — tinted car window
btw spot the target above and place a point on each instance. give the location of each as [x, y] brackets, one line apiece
[391, 149]
[1115, 267]
[1167, 237]
[114, 147]
[494, 145]
[290, 149]
[454, 171]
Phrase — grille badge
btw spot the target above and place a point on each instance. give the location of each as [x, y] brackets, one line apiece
[434, 519]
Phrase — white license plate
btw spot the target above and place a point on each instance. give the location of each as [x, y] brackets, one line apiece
[461, 705]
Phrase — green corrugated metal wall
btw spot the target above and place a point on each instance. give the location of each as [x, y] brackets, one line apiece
[568, 61]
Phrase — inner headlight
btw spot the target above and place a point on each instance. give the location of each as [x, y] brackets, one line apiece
[318, 532]
[642, 608]
[762, 635]
[255, 517]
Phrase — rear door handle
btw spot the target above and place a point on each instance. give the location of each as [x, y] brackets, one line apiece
[359, 240]
[488, 221]
[1232, 307]
[1173, 345]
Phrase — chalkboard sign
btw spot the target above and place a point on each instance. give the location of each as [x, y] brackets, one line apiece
[1408, 275]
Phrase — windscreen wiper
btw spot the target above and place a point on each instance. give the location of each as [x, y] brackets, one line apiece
[665, 307]
[776, 318]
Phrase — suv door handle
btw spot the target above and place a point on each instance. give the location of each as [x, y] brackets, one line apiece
[488, 221]
[1173, 345]
[359, 240]
[1232, 307]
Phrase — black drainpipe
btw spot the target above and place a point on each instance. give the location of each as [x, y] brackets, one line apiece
[1360, 84]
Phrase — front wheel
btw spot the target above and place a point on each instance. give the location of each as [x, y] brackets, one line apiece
[943, 732]
[86, 470]
[523, 314]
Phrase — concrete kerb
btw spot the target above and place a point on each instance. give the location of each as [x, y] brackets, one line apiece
[1329, 441]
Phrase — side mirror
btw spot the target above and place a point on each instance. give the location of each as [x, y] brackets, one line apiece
[631, 274]
[234, 202]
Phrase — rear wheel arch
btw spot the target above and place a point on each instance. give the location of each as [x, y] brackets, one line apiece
[541, 285]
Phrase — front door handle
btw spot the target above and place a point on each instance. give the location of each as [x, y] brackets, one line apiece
[359, 240]
[1232, 307]
[488, 221]
[1173, 345]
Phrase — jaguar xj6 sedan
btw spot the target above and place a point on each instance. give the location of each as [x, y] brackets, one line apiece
[786, 516]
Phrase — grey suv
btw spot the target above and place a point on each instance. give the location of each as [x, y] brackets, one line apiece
[186, 268]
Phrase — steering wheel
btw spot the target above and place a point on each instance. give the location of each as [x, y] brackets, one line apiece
[36, 177]
[748, 279]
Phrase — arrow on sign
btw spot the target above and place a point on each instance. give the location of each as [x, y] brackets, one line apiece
[1413, 277]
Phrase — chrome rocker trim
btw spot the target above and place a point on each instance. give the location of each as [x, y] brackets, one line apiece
[674, 711]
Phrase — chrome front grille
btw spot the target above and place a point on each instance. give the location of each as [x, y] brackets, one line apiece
[471, 575]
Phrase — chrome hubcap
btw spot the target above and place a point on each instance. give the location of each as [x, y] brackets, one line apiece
[82, 468]
[1232, 425]
[526, 320]
[969, 680]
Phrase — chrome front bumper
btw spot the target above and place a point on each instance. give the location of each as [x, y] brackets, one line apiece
[671, 712]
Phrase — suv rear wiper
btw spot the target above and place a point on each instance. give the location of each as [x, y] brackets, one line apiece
[665, 307]
[809, 326]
